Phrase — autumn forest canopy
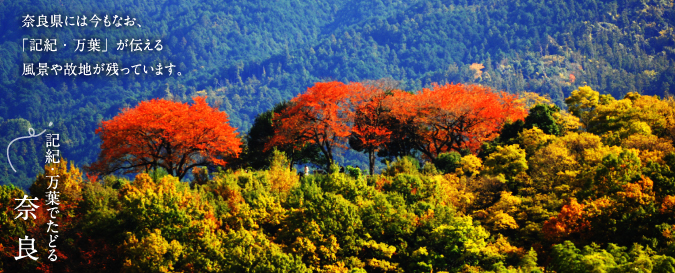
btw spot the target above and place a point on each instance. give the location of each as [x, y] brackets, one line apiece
[480, 181]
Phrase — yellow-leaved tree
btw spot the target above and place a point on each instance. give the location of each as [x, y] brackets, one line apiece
[161, 217]
[61, 178]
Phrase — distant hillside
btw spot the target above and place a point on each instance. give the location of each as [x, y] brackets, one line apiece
[249, 55]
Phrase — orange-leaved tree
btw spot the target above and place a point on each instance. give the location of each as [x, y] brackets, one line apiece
[571, 223]
[321, 116]
[454, 116]
[161, 133]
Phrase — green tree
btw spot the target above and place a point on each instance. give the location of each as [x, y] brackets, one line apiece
[258, 157]
[543, 117]
[507, 162]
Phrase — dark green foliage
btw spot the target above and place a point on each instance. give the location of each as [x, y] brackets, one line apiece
[541, 116]
[400, 144]
[510, 131]
[447, 162]
[663, 177]
[260, 133]
[99, 209]
[257, 155]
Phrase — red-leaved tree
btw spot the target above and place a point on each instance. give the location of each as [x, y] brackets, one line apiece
[161, 133]
[453, 116]
[321, 116]
[370, 129]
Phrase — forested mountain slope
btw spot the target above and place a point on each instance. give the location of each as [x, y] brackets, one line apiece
[247, 56]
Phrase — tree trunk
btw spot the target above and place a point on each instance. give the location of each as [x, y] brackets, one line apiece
[371, 159]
